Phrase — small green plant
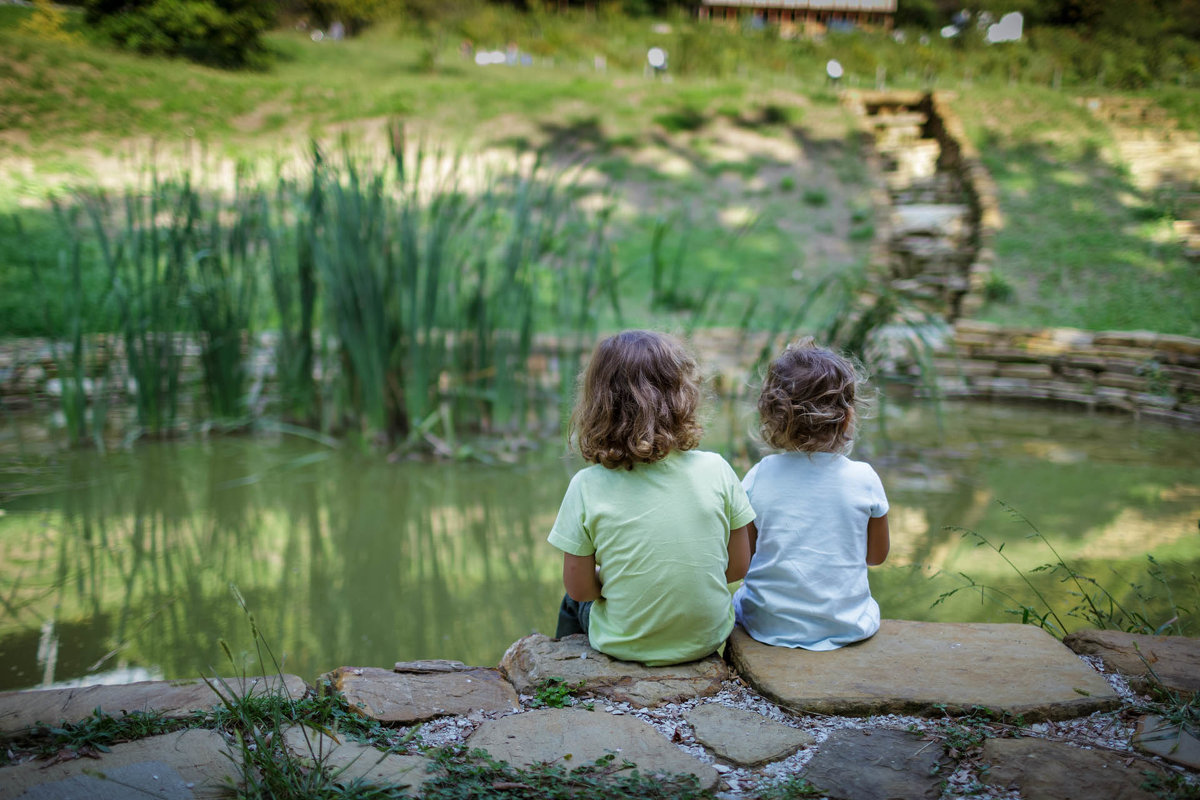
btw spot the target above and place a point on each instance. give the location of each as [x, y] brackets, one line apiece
[862, 233]
[787, 184]
[792, 786]
[815, 197]
[1170, 785]
[100, 731]
[681, 120]
[459, 773]
[998, 289]
[555, 692]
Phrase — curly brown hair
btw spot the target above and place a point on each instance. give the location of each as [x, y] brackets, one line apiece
[637, 401]
[808, 400]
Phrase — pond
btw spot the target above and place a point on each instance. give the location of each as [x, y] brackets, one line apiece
[125, 566]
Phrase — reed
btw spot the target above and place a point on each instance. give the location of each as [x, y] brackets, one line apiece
[145, 265]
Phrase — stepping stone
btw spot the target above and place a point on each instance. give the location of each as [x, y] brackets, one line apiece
[577, 738]
[744, 737]
[1043, 770]
[929, 219]
[531, 660]
[20, 711]
[351, 761]
[403, 698]
[856, 764]
[928, 668]
[1156, 736]
[1175, 659]
[187, 765]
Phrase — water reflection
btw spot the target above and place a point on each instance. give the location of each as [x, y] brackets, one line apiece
[121, 565]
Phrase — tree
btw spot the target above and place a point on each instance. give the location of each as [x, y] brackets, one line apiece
[225, 33]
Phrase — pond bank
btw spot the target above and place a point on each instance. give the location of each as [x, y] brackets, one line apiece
[950, 708]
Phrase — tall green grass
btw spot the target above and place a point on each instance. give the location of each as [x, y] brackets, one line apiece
[408, 292]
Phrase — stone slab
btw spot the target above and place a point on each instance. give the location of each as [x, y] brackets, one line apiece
[21, 711]
[404, 698]
[1175, 659]
[881, 763]
[574, 738]
[744, 737]
[188, 765]
[536, 657]
[1044, 770]
[1157, 736]
[925, 668]
[349, 761]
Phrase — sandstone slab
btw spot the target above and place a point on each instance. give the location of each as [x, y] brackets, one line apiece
[1043, 770]
[1171, 741]
[349, 761]
[21, 711]
[533, 659]
[855, 764]
[188, 765]
[403, 698]
[1175, 659]
[574, 738]
[925, 668]
[744, 737]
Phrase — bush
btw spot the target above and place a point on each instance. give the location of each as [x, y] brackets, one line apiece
[226, 33]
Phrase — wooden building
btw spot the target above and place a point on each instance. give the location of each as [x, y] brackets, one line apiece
[804, 16]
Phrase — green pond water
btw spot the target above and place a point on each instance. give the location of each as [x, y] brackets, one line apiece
[121, 567]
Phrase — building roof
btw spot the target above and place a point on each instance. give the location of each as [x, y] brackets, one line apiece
[873, 6]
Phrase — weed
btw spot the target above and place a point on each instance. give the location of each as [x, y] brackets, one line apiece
[555, 692]
[459, 773]
[100, 731]
[815, 197]
[1170, 785]
[998, 289]
[1097, 605]
[787, 184]
[790, 787]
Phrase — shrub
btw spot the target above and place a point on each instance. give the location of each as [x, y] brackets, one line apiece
[226, 33]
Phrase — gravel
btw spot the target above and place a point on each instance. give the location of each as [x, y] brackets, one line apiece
[1108, 730]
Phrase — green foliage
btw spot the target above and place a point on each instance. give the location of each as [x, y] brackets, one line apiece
[459, 773]
[555, 692]
[226, 33]
[815, 197]
[48, 22]
[1097, 605]
[99, 732]
[788, 788]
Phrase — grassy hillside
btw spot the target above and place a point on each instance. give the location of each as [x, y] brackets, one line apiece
[743, 157]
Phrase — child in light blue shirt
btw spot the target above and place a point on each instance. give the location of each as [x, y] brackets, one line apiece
[821, 518]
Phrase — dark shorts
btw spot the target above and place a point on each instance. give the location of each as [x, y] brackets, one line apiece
[573, 617]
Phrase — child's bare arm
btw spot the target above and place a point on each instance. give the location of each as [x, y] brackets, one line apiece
[752, 532]
[580, 577]
[739, 554]
[878, 541]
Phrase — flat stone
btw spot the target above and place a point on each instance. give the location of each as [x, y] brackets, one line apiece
[929, 218]
[431, 665]
[349, 761]
[404, 698]
[21, 711]
[1043, 770]
[533, 659]
[186, 765]
[925, 668]
[856, 764]
[1169, 740]
[744, 737]
[1175, 659]
[577, 738]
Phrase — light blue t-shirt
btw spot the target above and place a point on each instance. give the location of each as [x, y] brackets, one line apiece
[807, 585]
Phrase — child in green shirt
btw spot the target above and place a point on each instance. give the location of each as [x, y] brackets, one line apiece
[654, 531]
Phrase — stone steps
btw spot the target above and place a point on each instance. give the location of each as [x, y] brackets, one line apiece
[1018, 673]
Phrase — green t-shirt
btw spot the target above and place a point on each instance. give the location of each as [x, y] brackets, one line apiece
[660, 533]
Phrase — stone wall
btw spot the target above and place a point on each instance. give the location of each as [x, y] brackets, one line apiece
[1148, 374]
[943, 213]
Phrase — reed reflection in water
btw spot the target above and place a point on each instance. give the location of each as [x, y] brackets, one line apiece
[121, 566]
[130, 558]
